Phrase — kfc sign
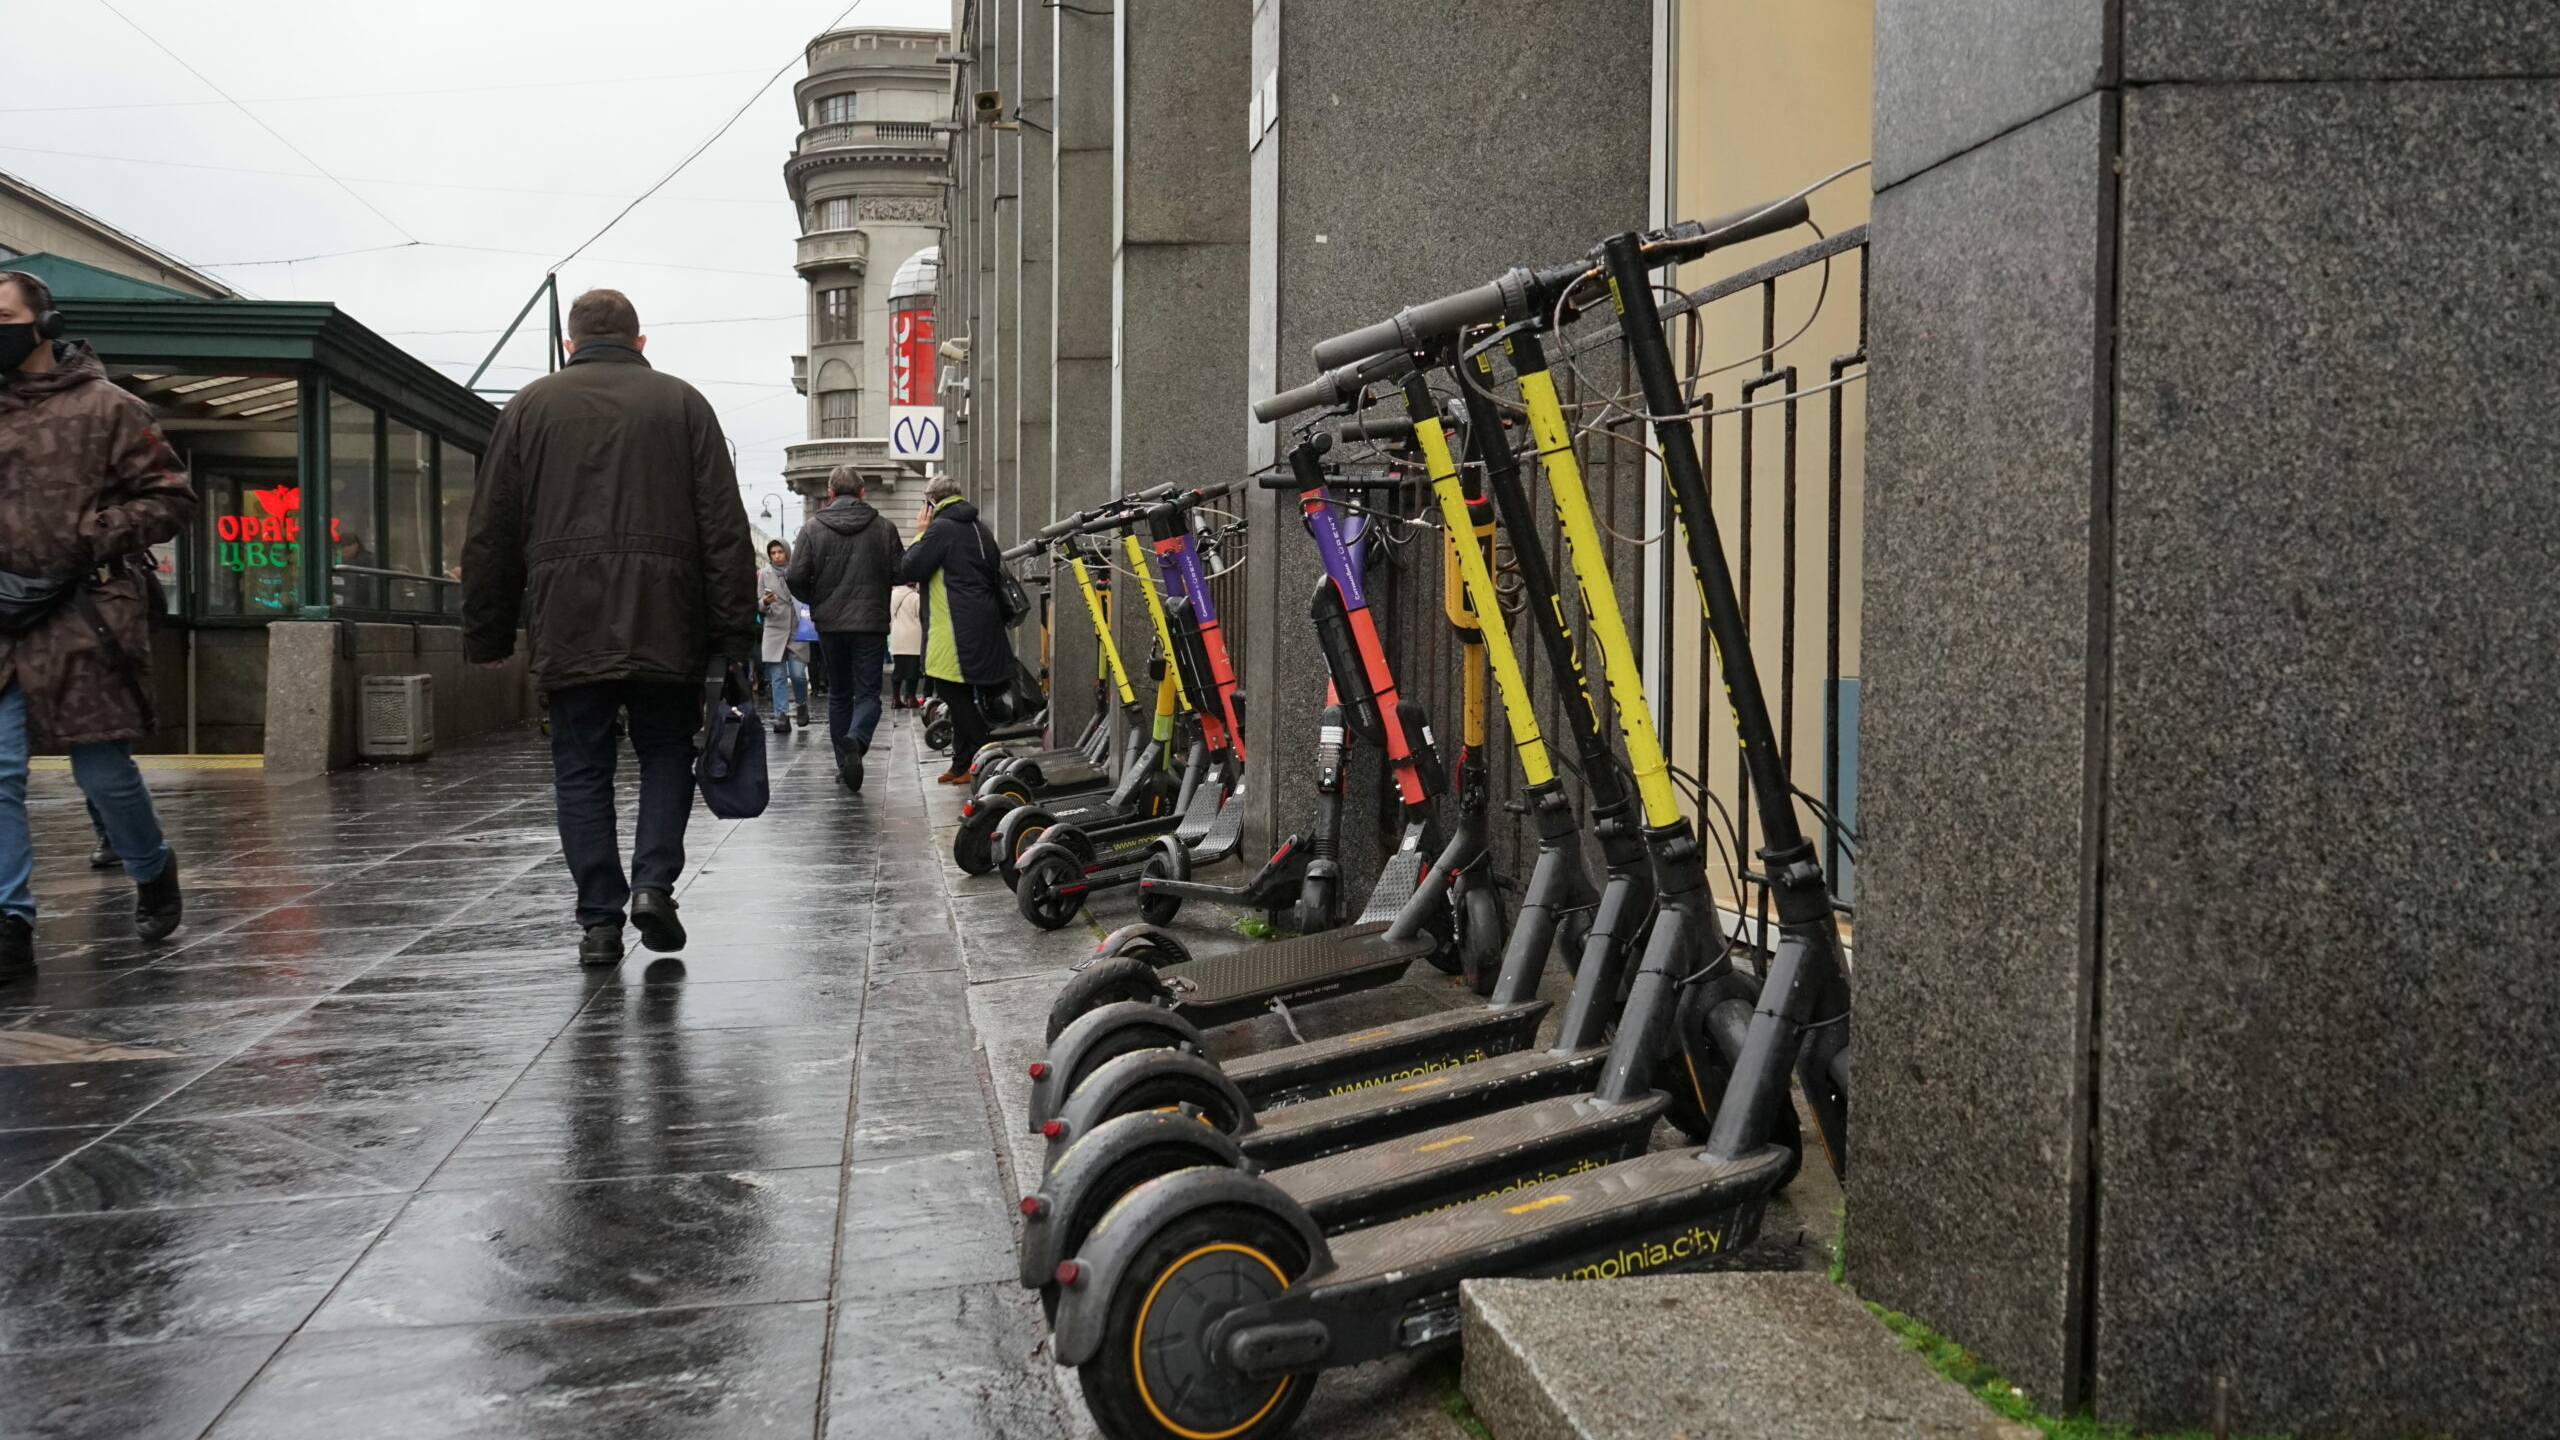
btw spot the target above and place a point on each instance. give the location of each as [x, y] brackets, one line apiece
[911, 353]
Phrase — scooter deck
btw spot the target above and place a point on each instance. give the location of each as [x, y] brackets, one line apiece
[1243, 983]
[1396, 880]
[1056, 771]
[1298, 1133]
[1670, 1210]
[1487, 1155]
[1402, 1050]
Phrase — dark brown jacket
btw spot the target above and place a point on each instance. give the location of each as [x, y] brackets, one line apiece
[85, 479]
[608, 520]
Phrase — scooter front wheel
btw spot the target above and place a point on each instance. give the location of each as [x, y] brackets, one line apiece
[1051, 890]
[1156, 1377]
[1169, 861]
[1480, 938]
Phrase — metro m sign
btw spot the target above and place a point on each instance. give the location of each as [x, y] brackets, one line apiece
[911, 356]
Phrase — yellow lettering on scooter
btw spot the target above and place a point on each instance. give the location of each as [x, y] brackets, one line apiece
[1538, 1204]
[1442, 1144]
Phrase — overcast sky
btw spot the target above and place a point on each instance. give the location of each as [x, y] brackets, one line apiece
[500, 133]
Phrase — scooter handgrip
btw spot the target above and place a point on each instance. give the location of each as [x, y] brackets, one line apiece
[1026, 549]
[1692, 238]
[1428, 321]
[1324, 390]
[1390, 430]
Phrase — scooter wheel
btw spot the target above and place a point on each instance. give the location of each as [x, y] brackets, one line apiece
[1105, 1191]
[1106, 981]
[1015, 834]
[1156, 795]
[1314, 912]
[1145, 943]
[1481, 939]
[1695, 1073]
[1155, 1376]
[937, 734]
[972, 844]
[1051, 890]
[1442, 927]
[1169, 861]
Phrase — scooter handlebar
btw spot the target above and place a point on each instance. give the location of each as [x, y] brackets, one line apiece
[1027, 548]
[1486, 303]
[1333, 387]
[1692, 238]
[1393, 430]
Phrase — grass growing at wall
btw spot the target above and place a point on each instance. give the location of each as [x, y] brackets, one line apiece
[1442, 1372]
[1968, 1370]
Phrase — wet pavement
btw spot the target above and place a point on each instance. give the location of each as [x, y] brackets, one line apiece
[362, 1151]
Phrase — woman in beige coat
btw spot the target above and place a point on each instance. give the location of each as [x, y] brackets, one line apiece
[906, 648]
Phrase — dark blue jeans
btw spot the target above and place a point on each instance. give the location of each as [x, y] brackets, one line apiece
[853, 659]
[119, 804]
[665, 718]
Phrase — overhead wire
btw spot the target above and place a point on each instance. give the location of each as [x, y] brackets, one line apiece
[280, 136]
[696, 152]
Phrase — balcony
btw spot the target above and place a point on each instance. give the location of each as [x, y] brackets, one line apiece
[816, 457]
[871, 135]
[800, 373]
[833, 248]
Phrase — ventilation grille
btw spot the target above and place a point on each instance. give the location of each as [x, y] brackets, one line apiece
[399, 719]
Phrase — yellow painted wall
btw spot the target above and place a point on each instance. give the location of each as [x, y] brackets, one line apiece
[1765, 99]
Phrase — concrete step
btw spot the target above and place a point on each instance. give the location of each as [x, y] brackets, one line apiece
[1741, 1356]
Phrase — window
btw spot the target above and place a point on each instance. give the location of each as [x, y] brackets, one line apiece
[836, 214]
[833, 109]
[353, 432]
[835, 414]
[460, 479]
[408, 517]
[836, 314]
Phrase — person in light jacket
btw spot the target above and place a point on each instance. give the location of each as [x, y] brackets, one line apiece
[959, 566]
[906, 647]
[782, 662]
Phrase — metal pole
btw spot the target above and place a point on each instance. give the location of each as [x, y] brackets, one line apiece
[551, 285]
[510, 332]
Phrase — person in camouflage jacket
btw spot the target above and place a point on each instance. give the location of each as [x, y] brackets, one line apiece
[87, 486]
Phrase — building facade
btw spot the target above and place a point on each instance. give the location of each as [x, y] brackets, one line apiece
[868, 178]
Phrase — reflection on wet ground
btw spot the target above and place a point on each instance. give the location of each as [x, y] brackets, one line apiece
[363, 1151]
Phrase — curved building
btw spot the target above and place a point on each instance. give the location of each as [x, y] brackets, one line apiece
[868, 177]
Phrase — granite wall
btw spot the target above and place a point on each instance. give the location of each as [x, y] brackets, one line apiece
[1410, 148]
[1084, 83]
[2211, 809]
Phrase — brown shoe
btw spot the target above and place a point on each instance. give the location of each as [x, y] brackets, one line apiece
[953, 777]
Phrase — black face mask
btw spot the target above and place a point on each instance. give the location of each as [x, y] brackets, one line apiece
[17, 342]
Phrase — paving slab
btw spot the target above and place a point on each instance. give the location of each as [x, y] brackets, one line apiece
[1703, 1357]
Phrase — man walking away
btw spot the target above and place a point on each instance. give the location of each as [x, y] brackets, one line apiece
[959, 566]
[608, 488]
[906, 648]
[86, 487]
[842, 567]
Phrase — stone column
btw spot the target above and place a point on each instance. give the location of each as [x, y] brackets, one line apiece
[1035, 111]
[1178, 252]
[1079, 458]
[1002, 367]
[1409, 148]
[2208, 775]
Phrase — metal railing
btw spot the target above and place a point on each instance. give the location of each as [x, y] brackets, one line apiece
[1789, 494]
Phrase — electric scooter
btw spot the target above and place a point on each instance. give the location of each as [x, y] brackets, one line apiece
[1068, 784]
[1203, 1301]
[1302, 879]
[1056, 864]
